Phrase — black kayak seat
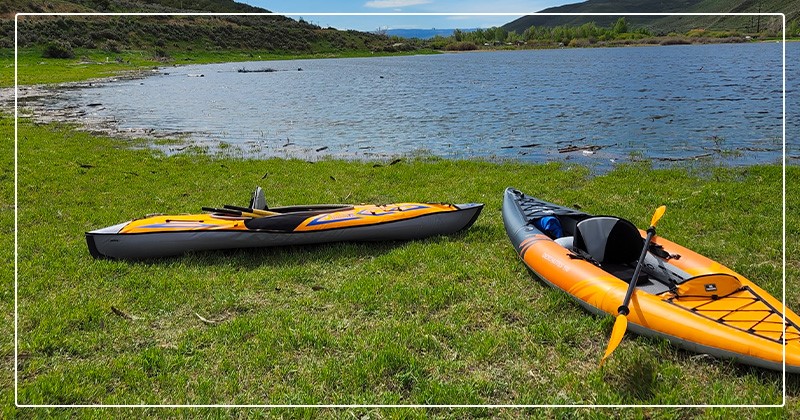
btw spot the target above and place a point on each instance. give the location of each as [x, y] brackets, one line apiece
[608, 239]
[292, 216]
[258, 201]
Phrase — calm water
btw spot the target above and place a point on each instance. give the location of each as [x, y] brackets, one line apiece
[721, 101]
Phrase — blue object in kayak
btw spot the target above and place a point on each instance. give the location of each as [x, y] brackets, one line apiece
[550, 225]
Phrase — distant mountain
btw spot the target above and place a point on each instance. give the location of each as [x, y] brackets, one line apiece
[664, 25]
[422, 33]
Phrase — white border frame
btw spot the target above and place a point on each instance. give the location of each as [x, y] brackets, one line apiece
[16, 223]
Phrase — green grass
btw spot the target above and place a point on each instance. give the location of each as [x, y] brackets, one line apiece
[33, 69]
[92, 64]
[447, 320]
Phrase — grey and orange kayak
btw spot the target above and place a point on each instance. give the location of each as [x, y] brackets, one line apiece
[168, 235]
[694, 302]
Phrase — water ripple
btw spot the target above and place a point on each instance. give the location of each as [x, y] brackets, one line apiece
[627, 101]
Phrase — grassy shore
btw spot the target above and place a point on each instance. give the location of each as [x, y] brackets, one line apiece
[447, 320]
[93, 64]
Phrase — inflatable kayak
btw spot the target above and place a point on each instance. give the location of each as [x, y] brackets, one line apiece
[694, 302]
[257, 226]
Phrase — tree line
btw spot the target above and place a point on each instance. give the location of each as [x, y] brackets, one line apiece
[584, 35]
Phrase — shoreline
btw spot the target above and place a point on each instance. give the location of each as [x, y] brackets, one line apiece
[33, 104]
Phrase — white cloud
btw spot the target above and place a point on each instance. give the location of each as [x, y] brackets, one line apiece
[388, 4]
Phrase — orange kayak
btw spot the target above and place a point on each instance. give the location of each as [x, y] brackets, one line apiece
[694, 302]
[257, 226]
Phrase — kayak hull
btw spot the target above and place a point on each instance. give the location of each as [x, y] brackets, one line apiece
[745, 325]
[174, 235]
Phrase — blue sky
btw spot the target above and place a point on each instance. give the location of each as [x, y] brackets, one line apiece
[371, 23]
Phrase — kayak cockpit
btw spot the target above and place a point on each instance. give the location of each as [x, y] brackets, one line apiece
[614, 245]
[611, 243]
[289, 217]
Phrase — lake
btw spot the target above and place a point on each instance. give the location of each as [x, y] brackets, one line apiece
[597, 105]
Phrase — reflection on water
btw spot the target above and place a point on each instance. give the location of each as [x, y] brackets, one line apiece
[591, 105]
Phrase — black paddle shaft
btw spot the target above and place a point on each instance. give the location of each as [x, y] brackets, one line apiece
[224, 211]
[623, 310]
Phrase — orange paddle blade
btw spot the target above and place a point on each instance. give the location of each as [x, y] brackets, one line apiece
[620, 325]
[657, 215]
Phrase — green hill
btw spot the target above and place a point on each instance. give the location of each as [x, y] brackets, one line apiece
[217, 6]
[172, 33]
[599, 6]
[9, 7]
[667, 24]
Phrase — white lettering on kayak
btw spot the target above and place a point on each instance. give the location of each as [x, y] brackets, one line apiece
[553, 260]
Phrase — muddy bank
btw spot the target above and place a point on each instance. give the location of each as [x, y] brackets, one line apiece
[37, 103]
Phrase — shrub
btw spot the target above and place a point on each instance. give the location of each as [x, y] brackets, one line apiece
[578, 43]
[58, 49]
[675, 41]
[112, 46]
[696, 33]
[160, 55]
[461, 46]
